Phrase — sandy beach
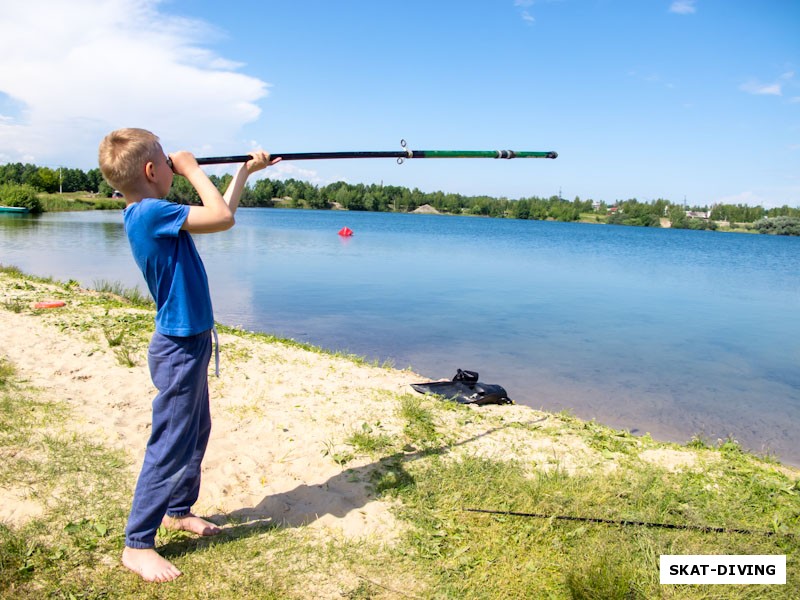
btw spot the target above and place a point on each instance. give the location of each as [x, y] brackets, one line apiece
[280, 416]
[282, 455]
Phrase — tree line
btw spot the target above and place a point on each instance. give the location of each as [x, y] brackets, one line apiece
[389, 198]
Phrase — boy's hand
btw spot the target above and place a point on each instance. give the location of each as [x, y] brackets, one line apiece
[260, 160]
[183, 162]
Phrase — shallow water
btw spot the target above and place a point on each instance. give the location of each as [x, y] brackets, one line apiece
[676, 333]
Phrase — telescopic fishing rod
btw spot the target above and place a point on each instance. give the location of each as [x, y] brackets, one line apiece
[400, 155]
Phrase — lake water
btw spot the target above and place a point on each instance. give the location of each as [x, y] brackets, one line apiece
[676, 333]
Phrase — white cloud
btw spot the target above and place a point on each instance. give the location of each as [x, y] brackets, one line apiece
[770, 89]
[761, 89]
[287, 170]
[768, 198]
[683, 7]
[75, 70]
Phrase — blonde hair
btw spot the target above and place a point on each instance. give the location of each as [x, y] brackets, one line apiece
[124, 153]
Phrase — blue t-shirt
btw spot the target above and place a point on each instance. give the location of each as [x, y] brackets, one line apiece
[171, 266]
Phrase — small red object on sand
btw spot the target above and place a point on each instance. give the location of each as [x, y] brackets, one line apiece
[346, 232]
[50, 304]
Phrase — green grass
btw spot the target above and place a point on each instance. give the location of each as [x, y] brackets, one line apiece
[368, 440]
[474, 555]
[133, 295]
[72, 201]
[420, 427]
[70, 547]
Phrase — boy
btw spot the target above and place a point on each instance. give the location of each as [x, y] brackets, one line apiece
[133, 162]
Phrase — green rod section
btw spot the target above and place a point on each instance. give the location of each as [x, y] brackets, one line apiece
[480, 154]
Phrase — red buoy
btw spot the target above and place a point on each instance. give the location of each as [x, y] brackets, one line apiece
[345, 232]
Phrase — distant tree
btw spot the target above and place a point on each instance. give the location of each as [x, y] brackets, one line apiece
[783, 211]
[44, 179]
[22, 195]
[778, 226]
[12, 173]
[263, 191]
[182, 191]
[74, 180]
[677, 217]
[396, 197]
[739, 213]
[94, 179]
[104, 189]
[521, 209]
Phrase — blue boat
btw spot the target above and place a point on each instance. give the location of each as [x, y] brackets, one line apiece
[14, 209]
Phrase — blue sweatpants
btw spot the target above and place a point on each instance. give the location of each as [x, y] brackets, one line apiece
[169, 482]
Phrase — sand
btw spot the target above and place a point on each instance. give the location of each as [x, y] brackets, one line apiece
[281, 415]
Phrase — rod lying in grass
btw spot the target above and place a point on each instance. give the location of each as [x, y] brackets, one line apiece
[703, 528]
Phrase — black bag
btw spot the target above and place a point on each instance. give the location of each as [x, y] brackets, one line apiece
[466, 376]
[465, 389]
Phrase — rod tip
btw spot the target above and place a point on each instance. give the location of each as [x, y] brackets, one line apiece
[552, 155]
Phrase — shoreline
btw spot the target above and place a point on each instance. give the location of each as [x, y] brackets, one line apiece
[311, 450]
[280, 408]
[637, 428]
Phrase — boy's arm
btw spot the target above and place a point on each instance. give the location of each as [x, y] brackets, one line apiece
[260, 160]
[215, 214]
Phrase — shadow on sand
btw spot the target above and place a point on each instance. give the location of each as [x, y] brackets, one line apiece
[341, 494]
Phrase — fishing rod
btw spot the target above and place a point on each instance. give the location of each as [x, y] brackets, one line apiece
[400, 155]
[703, 528]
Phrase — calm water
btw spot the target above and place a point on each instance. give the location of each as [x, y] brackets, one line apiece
[675, 333]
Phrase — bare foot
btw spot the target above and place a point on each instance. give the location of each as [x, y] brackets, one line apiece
[191, 523]
[149, 565]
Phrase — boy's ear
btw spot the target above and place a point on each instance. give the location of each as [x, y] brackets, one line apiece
[150, 171]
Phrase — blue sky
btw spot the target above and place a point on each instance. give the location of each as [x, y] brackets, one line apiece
[694, 99]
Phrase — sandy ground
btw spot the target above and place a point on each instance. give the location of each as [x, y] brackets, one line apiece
[281, 414]
[281, 417]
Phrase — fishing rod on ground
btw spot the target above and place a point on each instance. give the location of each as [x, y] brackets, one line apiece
[400, 155]
[624, 522]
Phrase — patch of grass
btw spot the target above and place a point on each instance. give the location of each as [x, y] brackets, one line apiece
[367, 441]
[74, 201]
[392, 476]
[132, 295]
[340, 457]
[474, 555]
[420, 427]
[608, 573]
[15, 305]
[113, 338]
[11, 270]
[7, 372]
[609, 441]
[60, 473]
[125, 357]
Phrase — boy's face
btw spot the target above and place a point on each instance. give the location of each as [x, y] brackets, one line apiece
[164, 173]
